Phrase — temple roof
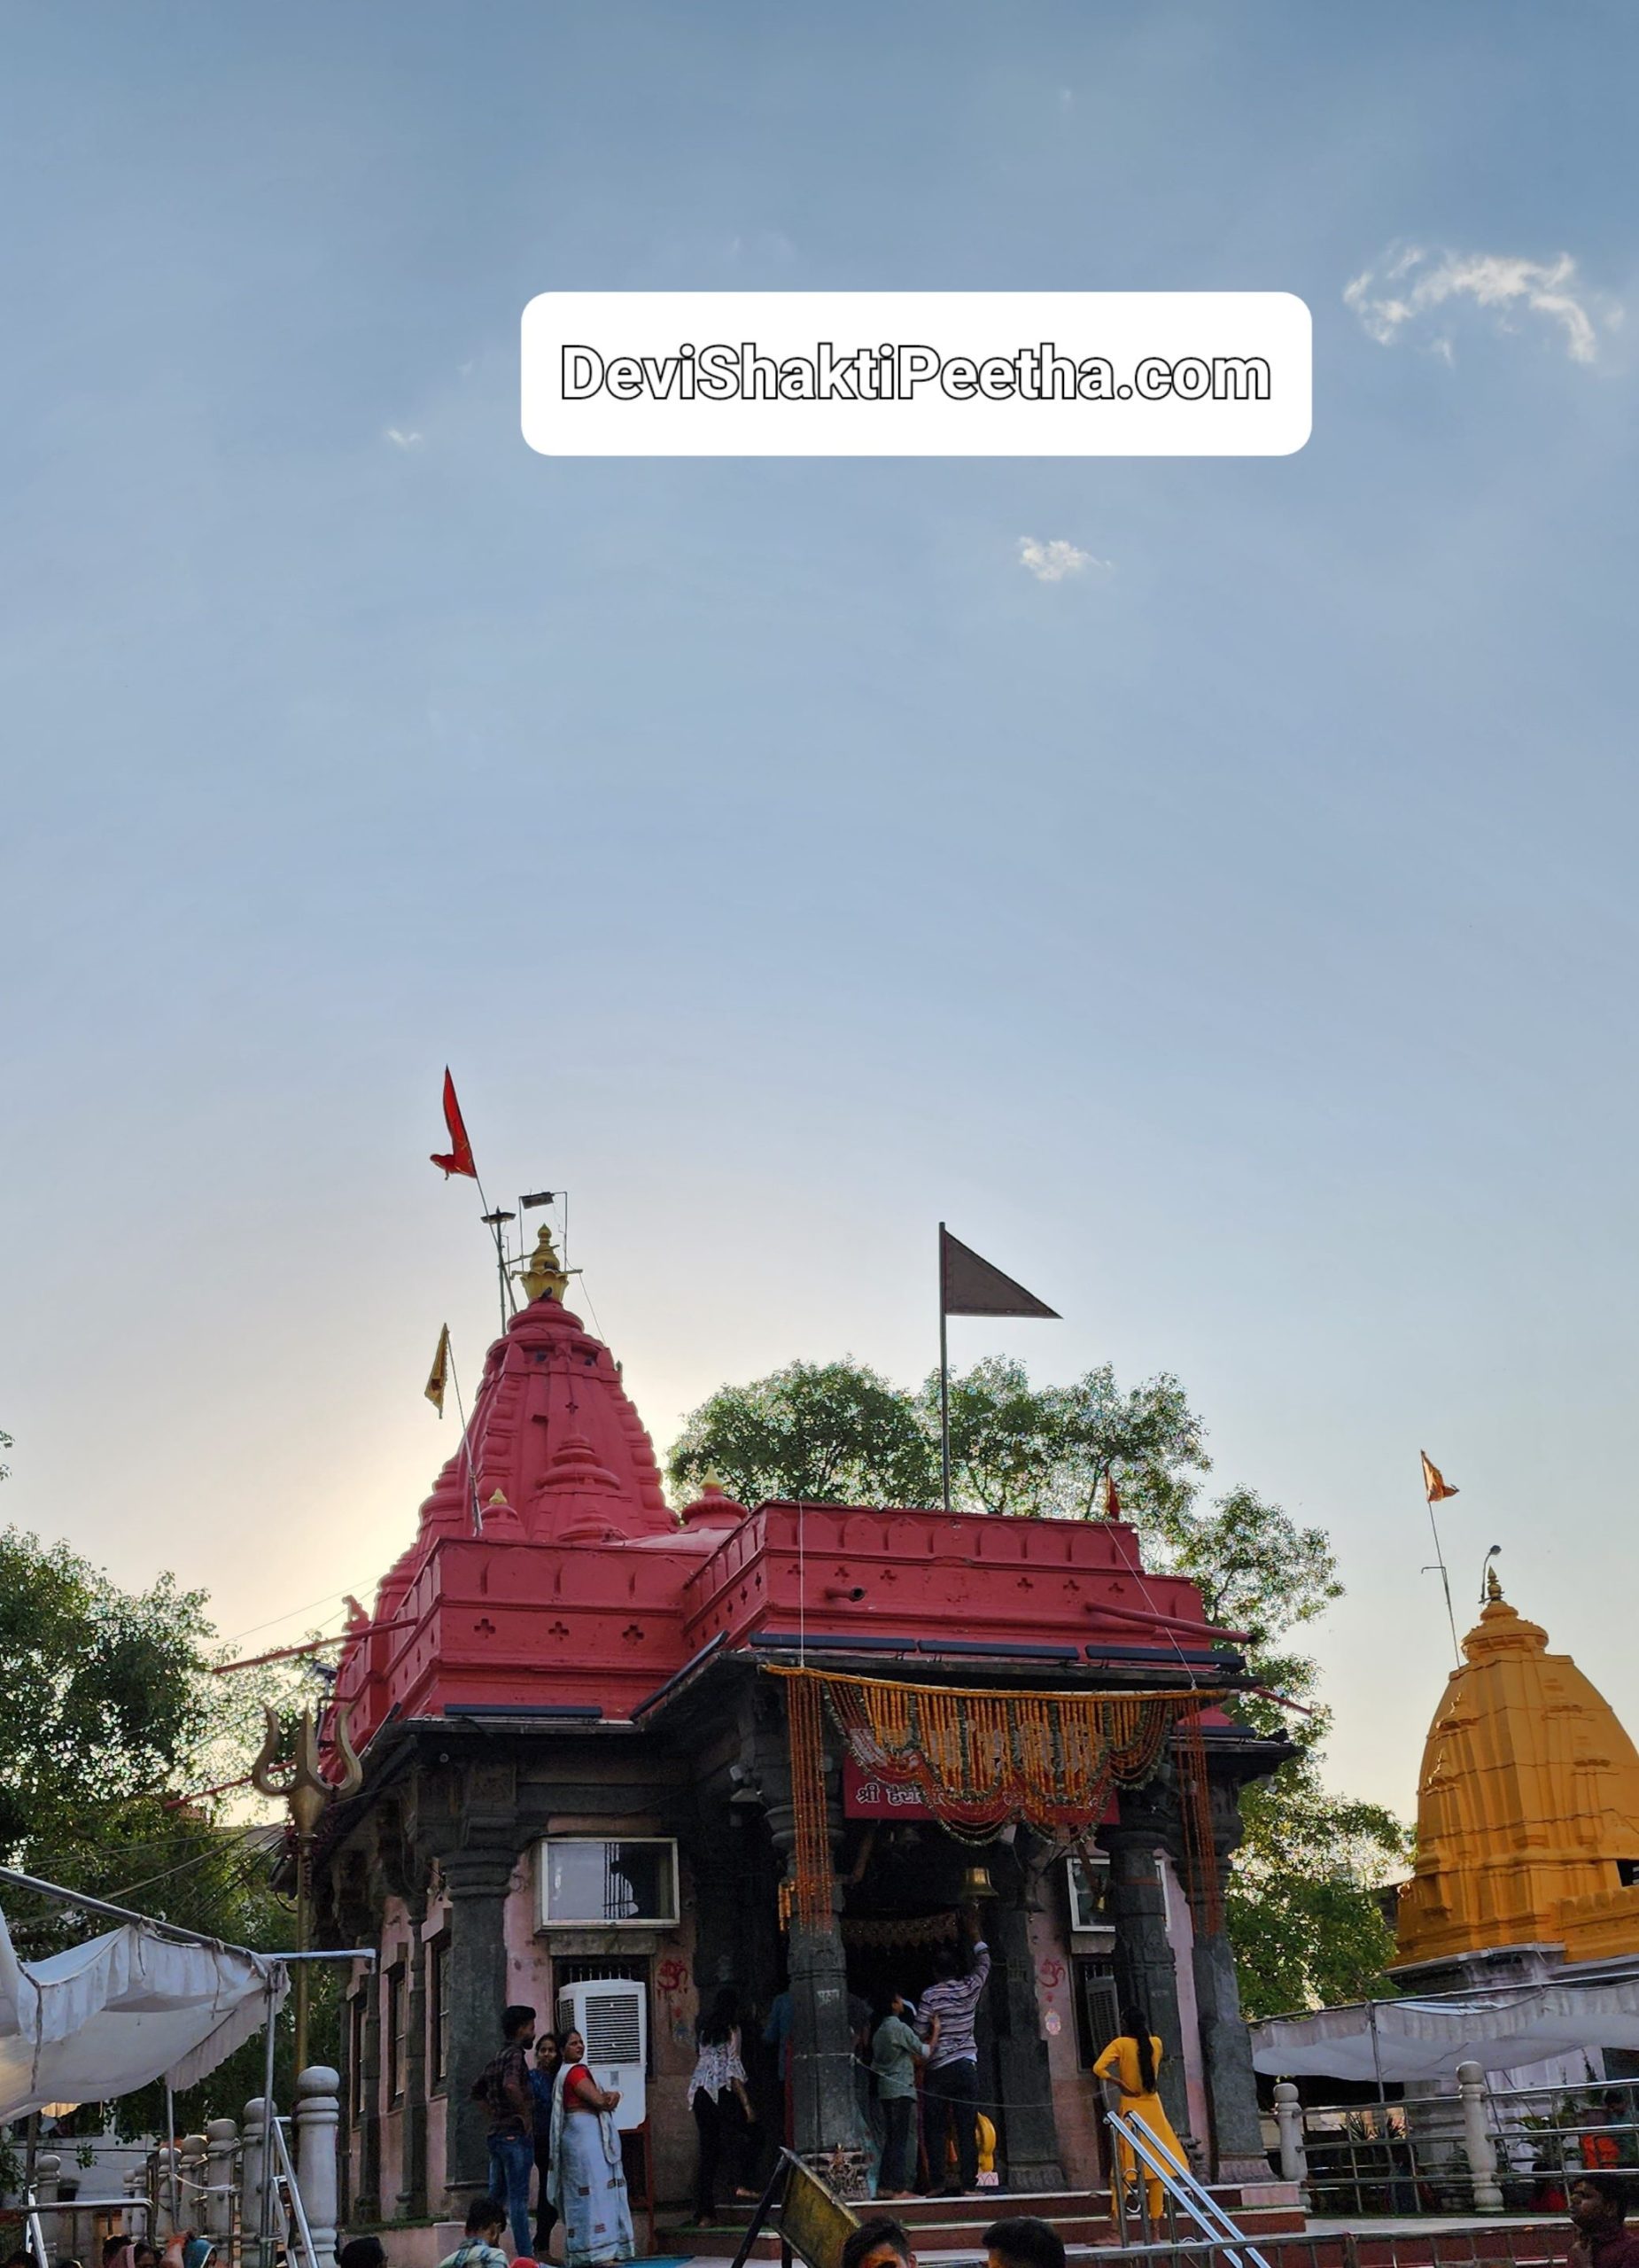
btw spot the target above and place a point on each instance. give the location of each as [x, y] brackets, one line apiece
[548, 1574]
[1527, 1808]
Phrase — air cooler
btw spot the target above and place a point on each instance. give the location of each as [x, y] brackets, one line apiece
[610, 2015]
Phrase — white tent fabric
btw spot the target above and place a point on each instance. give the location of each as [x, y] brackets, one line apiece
[1427, 2039]
[107, 2017]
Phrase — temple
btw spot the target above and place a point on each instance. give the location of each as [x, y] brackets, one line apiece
[777, 1747]
[1527, 1843]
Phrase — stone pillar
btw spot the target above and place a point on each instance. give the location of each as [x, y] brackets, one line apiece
[413, 2194]
[1029, 2135]
[1477, 2144]
[1143, 1952]
[48, 2170]
[1226, 2049]
[1289, 2119]
[825, 2115]
[477, 1883]
[166, 2175]
[221, 2139]
[254, 2168]
[191, 2181]
[318, 2118]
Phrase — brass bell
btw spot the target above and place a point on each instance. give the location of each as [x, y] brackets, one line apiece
[976, 1884]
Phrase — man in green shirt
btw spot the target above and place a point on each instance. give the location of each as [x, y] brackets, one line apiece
[896, 2052]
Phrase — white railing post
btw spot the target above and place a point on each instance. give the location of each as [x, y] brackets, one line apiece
[255, 2168]
[191, 2182]
[1471, 2085]
[318, 2123]
[47, 2167]
[1289, 2119]
[221, 2137]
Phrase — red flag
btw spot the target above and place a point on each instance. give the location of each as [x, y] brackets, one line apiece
[460, 1158]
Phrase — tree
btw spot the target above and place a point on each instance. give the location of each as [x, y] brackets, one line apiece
[1305, 1893]
[116, 1731]
[823, 1433]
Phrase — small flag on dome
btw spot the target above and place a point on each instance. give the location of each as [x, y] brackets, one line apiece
[1436, 1487]
[458, 1159]
[437, 1378]
[1112, 1498]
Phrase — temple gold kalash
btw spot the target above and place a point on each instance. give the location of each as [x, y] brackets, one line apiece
[1527, 1817]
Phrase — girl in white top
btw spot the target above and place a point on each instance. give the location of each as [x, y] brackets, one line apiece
[719, 2100]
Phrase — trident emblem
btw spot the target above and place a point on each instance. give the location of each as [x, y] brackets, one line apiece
[306, 1793]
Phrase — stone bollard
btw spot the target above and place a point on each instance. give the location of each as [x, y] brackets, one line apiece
[167, 2171]
[318, 2121]
[1471, 2086]
[190, 2182]
[1289, 2119]
[135, 2218]
[47, 2168]
[221, 2137]
[255, 2166]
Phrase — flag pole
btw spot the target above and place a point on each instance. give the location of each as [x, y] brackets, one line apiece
[1445, 1579]
[944, 1383]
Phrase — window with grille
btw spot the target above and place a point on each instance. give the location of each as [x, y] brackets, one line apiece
[355, 2054]
[398, 2042]
[627, 1884]
[1098, 2009]
[437, 2009]
[591, 1970]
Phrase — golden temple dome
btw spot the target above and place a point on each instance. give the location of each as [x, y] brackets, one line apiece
[1527, 1821]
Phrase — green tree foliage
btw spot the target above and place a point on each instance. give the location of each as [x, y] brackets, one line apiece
[826, 1433]
[1304, 1900]
[115, 1727]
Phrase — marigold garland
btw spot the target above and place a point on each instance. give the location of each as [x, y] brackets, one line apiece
[980, 1757]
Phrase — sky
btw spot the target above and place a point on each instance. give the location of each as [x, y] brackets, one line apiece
[1226, 920]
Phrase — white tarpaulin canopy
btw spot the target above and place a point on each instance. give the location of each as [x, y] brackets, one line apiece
[1427, 2039]
[108, 2017]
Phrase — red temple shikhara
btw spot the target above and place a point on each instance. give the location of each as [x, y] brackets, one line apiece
[775, 1747]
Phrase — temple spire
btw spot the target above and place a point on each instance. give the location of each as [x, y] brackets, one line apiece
[545, 1277]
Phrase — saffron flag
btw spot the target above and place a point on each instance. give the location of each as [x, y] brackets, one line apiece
[1435, 1486]
[969, 1285]
[437, 1378]
[1112, 1498]
[458, 1159]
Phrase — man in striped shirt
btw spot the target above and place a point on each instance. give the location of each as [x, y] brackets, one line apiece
[951, 2084]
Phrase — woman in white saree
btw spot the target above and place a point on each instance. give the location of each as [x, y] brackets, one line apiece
[588, 2179]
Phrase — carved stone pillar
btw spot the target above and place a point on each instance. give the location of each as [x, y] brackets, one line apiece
[1226, 2050]
[1029, 2131]
[1225, 2043]
[477, 1883]
[1142, 1953]
[413, 2194]
[825, 2110]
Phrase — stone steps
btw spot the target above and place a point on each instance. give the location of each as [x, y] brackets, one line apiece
[956, 2225]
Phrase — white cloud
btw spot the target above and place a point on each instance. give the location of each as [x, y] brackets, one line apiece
[1051, 563]
[1413, 283]
[401, 440]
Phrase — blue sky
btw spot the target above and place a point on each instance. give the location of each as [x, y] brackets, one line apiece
[1235, 942]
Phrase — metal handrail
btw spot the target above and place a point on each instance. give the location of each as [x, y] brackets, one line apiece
[1183, 2190]
[281, 2151]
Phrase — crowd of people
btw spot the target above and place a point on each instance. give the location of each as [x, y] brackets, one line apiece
[550, 2120]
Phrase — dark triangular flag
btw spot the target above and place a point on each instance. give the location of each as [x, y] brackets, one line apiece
[969, 1285]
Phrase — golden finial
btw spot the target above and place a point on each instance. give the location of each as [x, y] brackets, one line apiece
[545, 1277]
[1494, 1589]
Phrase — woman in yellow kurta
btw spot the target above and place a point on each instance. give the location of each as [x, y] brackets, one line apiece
[1130, 2062]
